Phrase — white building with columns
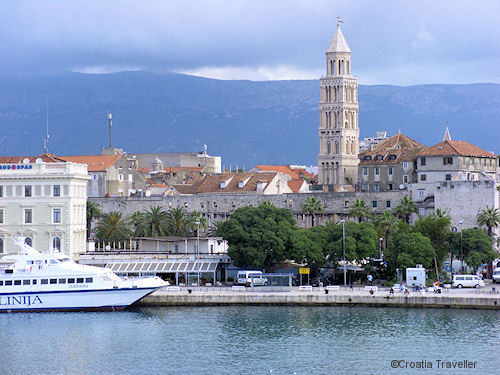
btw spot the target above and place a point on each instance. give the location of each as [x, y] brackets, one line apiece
[43, 200]
[338, 110]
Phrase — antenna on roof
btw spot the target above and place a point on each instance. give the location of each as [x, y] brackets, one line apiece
[47, 136]
[110, 124]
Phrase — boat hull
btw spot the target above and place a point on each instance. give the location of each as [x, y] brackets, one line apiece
[72, 300]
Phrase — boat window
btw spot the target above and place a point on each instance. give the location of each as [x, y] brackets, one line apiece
[88, 280]
[26, 282]
[63, 259]
[79, 280]
[45, 281]
[71, 281]
[52, 261]
[62, 281]
[30, 262]
[53, 281]
[34, 282]
[8, 282]
[17, 282]
[1, 283]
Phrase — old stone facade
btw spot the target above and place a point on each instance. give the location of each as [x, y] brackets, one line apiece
[338, 117]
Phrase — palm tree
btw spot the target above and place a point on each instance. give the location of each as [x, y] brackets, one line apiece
[152, 223]
[135, 219]
[197, 217]
[439, 213]
[360, 210]
[489, 217]
[112, 228]
[312, 206]
[405, 208]
[385, 224]
[93, 212]
[177, 222]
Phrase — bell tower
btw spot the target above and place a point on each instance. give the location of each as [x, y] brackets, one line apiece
[338, 117]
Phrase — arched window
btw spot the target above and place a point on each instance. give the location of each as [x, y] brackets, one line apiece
[328, 148]
[56, 243]
[1, 245]
[352, 148]
[28, 241]
[336, 147]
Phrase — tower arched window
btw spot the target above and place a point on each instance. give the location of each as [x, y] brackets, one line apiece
[28, 241]
[336, 147]
[328, 148]
[339, 71]
[56, 243]
[352, 148]
[1, 245]
[348, 67]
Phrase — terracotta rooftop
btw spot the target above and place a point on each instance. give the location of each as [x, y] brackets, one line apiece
[294, 173]
[96, 163]
[461, 148]
[396, 149]
[46, 158]
[295, 185]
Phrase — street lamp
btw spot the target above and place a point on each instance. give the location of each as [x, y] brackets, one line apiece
[197, 237]
[343, 251]
[461, 248]
[381, 256]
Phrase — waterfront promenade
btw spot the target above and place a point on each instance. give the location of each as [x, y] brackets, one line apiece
[212, 296]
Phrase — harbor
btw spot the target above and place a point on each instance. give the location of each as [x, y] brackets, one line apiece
[487, 298]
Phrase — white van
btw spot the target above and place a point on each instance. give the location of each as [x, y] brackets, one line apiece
[496, 275]
[246, 277]
[464, 281]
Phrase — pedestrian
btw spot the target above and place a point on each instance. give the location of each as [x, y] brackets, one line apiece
[370, 280]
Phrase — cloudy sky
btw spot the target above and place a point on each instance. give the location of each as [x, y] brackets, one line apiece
[393, 42]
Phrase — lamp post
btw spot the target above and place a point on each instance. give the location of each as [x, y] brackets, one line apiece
[343, 251]
[381, 256]
[461, 248]
[197, 237]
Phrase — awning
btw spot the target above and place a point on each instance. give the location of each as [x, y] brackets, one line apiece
[163, 267]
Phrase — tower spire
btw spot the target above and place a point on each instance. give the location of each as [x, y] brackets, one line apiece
[447, 136]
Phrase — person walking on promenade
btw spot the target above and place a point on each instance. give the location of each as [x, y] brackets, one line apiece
[370, 280]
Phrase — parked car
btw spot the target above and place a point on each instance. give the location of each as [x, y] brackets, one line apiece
[246, 278]
[464, 281]
[496, 275]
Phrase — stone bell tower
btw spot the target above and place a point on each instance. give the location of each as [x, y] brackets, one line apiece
[338, 111]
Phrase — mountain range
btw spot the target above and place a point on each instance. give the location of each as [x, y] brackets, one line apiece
[244, 122]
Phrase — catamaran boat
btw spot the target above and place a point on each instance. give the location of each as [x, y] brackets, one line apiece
[32, 281]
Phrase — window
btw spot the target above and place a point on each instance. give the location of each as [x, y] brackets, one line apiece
[62, 281]
[44, 281]
[53, 281]
[405, 165]
[1, 216]
[392, 157]
[1, 245]
[377, 170]
[368, 157]
[88, 280]
[95, 177]
[365, 171]
[28, 216]
[27, 190]
[26, 282]
[8, 282]
[374, 204]
[389, 171]
[120, 177]
[423, 177]
[447, 161]
[447, 177]
[56, 243]
[376, 187]
[388, 204]
[421, 193]
[57, 190]
[34, 282]
[1, 283]
[71, 281]
[56, 215]
[364, 187]
[28, 241]
[79, 280]
[405, 179]
[421, 211]
[379, 157]
[390, 187]
[422, 161]
[17, 282]
[1, 190]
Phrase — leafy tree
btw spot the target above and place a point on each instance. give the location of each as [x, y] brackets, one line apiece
[360, 210]
[112, 228]
[405, 208]
[437, 229]
[439, 213]
[490, 218]
[178, 223]
[312, 206]
[385, 223]
[258, 237]
[408, 249]
[152, 223]
[193, 218]
[93, 212]
[135, 218]
[308, 245]
[473, 245]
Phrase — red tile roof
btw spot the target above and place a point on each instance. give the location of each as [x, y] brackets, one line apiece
[296, 185]
[96, 163]
[293, 172]
[393, 150]
[46, 158]
[461, 148]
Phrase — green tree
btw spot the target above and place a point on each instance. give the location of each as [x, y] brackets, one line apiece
[308, 246]
[409, 249]
[93, 212]
[473, 245]
[135, 219]
[177, 222]
[360, 210]
[152, 223]
[193, 218]
[385, 224]
[258, 237]
[312, 206]
[437, 229]
[490, 218]
[405, 208]
[112, 228]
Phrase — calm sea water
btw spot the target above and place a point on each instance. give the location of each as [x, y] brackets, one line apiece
[249, 340]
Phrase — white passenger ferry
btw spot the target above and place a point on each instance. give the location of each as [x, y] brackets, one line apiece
[35, 281]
